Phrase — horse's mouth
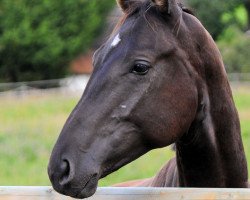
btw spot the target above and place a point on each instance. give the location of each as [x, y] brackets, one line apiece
[79, 191]
[88, 189]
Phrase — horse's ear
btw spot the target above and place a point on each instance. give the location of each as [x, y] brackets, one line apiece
[125, 4]
[165, 5]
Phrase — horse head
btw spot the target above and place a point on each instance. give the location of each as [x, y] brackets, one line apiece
[148, 87]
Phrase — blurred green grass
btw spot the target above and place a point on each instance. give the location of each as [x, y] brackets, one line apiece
[29, 127]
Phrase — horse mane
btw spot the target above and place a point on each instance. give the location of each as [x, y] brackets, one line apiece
[186, 10]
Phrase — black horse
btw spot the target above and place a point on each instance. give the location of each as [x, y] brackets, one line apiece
[158, 80]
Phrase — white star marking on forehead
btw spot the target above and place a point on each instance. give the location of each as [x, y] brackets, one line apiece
[116, 40]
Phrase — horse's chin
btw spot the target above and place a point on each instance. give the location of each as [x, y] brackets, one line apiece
[116, 165]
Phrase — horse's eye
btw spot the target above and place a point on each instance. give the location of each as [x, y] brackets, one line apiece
[140, 68]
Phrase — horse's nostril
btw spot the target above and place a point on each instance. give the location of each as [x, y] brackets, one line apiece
[65, 172]
[65, 166]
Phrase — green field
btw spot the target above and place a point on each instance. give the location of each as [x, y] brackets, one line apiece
[30, 125]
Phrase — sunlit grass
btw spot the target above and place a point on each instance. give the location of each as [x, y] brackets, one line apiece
[242, 100]
[30, 125]
[28, 130]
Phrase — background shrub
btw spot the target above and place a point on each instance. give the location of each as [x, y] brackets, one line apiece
[234, 46]
[217, 15]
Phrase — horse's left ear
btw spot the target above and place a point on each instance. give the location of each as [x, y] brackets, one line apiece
[126, 4]
[165, 5]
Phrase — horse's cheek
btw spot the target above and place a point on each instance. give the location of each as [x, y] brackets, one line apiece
[167, 122]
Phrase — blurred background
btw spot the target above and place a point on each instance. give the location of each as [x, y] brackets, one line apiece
[46, 48]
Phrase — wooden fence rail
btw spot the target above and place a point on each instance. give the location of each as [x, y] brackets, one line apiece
[109, 193]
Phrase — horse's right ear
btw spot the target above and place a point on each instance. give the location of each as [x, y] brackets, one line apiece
[125, 4]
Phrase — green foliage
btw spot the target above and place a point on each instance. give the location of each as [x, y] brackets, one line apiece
[234, 46]
[216, 15]
[38, 38]
[237, 17]
[30, 126]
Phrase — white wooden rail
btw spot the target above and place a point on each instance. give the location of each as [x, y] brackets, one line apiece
[47, 193]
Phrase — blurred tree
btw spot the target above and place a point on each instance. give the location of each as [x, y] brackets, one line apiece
[216, 15]
[247, 6]
[234, 46]
[38, 38]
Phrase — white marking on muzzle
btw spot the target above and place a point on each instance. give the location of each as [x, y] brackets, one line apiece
[116, 41]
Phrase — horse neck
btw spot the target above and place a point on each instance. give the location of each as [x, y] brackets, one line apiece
[211, 153]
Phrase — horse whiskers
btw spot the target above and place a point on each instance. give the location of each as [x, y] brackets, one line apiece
[178, 25]
[148, 7]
